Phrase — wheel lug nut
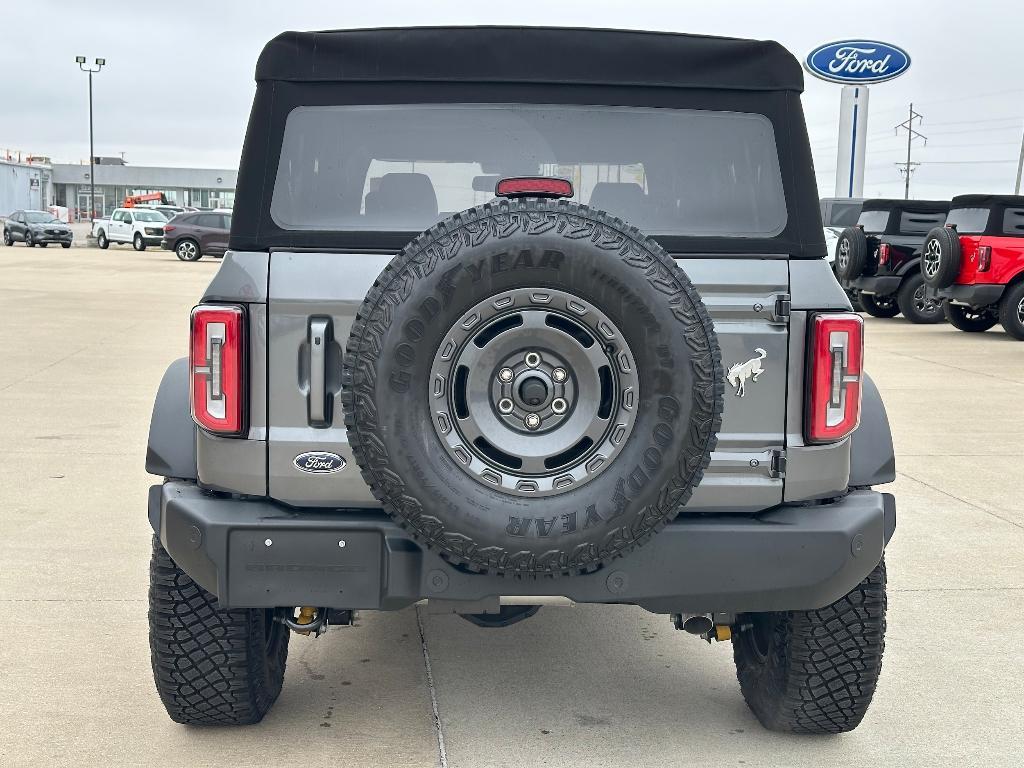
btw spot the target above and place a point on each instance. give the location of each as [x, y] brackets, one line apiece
[532, 359]
[558, 405]
[559, 375]
[505, 405]
[505, 375]
[532, 421]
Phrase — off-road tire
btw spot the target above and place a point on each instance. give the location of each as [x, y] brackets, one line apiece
[915, 305]
[102, 241]
[814, 672]
[969, 319]
[211, 666]
[138, 243]
[879, 306]
[427, 289]
[851, 264]
[1011, 311]
[940, 257]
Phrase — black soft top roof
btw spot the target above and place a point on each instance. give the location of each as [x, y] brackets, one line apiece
[913, 206]
[987, 201]
[530, 55]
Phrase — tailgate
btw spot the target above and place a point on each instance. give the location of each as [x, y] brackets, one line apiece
[313, 298]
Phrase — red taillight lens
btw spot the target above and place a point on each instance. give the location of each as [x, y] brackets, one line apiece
[883, 254]
[217, 364]
[533, 186]
[836, 370]
[984, 258]
[169, 228]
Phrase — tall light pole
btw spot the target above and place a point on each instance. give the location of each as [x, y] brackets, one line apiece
[80, 60]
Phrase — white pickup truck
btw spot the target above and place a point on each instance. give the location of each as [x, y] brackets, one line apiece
[138, 226]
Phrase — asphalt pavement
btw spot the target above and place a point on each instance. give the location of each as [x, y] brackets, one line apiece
[85, 336]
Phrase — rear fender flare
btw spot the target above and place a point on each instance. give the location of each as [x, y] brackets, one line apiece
[872, 459]
[171, 451]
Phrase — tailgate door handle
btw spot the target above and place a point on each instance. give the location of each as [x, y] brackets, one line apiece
[319, 338]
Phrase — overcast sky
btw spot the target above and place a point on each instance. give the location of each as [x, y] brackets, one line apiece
[179, 79]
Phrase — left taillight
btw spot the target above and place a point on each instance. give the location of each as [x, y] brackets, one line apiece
[217, 365]
[883, 254]
[836, 372]
[984, 258]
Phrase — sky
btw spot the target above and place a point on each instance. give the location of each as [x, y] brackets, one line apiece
[178, 83]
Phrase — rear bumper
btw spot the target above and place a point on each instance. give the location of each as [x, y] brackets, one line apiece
[788, 558]
[881, 285]
[977, 295]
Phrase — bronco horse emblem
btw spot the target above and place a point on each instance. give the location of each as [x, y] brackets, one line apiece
[740, 372]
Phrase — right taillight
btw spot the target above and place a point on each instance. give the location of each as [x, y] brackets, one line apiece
[169, 228]
[217, 366]
[836, 369]
[984, 258]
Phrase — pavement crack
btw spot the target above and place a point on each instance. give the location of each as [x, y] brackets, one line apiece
[962, 501]
[442, 755]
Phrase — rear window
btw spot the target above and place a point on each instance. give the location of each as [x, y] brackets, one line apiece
[404, 167]
[920, 223]
[969, 221]
[1013, 222]
[874, 221]
[843, 215]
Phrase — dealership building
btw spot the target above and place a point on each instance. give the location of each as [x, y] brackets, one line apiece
[115, 180]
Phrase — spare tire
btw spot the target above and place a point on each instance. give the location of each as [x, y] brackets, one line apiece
[532, 387]
[851, 253]
[940, 258]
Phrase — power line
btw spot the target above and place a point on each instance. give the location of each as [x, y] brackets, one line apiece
[908, 126]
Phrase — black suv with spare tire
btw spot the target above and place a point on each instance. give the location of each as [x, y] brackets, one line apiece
[878, 260]
[483, 342]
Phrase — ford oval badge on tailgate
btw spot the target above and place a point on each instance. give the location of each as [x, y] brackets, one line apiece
[318, 462]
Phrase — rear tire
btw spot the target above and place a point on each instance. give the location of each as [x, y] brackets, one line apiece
[211, 666]
[138, 243]
[188, 250]
[814, 672]
[968, 319]
[915, 305]
[879, 306]
[1011, 312]
[102, 241]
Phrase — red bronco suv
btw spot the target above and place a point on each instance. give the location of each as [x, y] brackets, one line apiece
[975, 263]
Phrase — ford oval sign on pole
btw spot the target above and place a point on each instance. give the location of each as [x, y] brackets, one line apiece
[857, 62]
[854, 64]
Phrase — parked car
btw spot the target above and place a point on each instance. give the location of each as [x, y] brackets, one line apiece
[36, 228]
[838, 213]
[513, 405]
[975, 264]
[170, 211]
[879, 258]
[194, 235]
[138, 226]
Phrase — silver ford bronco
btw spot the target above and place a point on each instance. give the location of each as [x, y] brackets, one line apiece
[516, 317]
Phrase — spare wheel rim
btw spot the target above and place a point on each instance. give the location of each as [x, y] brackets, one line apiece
[533, 392]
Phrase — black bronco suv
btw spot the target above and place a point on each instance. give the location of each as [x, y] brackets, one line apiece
[878, 260]
[500, 329]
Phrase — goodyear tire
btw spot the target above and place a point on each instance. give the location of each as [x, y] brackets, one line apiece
[814, 672]
[521, 310]
[970, 319]
[940, 257]
[212, 666]
[851, 253]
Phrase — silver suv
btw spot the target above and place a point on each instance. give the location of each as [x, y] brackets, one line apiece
[501, 329]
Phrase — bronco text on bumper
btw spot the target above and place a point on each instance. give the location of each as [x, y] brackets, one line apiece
[519, 359]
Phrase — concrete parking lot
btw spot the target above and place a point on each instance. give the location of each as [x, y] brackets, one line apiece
[85, 336]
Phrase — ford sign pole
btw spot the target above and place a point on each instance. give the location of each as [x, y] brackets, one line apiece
[855, 64]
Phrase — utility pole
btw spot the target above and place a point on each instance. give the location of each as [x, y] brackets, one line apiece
[80, 60]
[1020, 167]
[908, 126]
